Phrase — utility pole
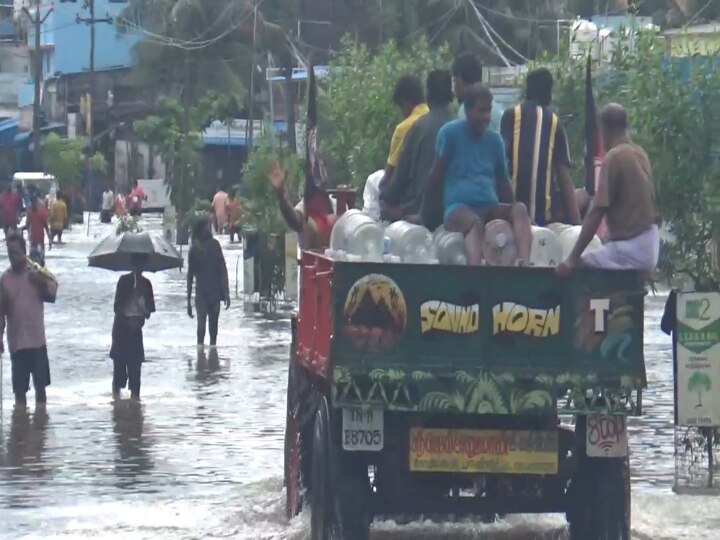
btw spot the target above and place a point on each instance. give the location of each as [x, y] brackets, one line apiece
[37, 22]
[91, 21]
[250, 121]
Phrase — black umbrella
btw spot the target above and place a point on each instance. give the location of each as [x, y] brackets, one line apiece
[117, 252]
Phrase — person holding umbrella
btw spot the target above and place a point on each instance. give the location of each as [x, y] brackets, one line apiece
[134, 303]
[134, 299]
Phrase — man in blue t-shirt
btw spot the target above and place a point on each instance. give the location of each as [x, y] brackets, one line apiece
[470, 160]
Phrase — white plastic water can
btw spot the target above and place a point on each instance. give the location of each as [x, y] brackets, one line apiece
[546, 249]
[568, 239]
[499, 247]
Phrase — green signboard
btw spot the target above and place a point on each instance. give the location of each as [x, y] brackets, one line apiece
[489, 339]
[698, 359]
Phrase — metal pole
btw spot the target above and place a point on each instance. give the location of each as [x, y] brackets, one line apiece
[37, 22]
[250, 122]
[91, 81]
[91, 21]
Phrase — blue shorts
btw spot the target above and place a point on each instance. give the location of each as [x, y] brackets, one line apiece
[477, 208]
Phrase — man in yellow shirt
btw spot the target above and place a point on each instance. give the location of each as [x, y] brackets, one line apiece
[58, 217]
[409, 97]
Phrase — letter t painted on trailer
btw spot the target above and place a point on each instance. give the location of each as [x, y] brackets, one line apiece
[599, 306]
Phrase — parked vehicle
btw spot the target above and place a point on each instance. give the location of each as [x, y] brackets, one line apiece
[438, 390]
[42, 183]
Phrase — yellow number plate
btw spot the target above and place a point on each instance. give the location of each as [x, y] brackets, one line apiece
[483, 451]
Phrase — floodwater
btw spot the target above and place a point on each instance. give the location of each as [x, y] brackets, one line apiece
[202, 456]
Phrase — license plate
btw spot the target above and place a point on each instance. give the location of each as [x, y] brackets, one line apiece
[483, 451]
[606, 436]
[363, 429]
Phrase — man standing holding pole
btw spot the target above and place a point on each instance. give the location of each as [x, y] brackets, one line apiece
[23, 292]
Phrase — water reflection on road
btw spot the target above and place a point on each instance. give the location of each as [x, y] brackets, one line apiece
[201, 457]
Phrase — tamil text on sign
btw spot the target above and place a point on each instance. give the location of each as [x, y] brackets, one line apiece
[483, 451]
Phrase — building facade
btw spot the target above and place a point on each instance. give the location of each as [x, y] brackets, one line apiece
[65, 56]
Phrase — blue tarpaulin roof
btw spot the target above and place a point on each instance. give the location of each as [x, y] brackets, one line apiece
[8, 129]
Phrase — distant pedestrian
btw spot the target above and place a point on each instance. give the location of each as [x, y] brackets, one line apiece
[107, 205]
[37, 223]
[206, 265]
[120, 205]
[58, 217]
[134, 303]
[23, 292]
[234, 212]
[137, 197]
[9, 208]
[219, 203]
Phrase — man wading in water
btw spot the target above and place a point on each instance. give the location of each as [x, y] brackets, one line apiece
[23, 292]
[206, 265]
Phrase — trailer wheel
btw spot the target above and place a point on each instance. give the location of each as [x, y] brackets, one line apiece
[337, 500]
[599, 496]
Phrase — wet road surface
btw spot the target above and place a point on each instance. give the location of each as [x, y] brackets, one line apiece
[201, 457]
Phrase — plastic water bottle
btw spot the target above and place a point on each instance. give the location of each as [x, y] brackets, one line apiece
[364, 237]
[546, 249]
[337, 235]
[450, 247]
[499, 245]
[568, 239]
[412, 243]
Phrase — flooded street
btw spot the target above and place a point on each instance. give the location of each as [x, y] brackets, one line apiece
[202, 456]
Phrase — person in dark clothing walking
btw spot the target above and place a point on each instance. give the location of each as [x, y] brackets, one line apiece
[403, 196]
[134, 303]
[206, 265]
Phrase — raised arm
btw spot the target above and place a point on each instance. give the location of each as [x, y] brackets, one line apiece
[292, 217]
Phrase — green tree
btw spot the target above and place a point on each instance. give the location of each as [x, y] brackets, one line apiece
[260, 204]
[65, 160]
[174, 133]
[674, 109]
[224, 108]
[358, 115]
[191, 46]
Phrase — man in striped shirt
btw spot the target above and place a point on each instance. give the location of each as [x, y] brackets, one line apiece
[538, 155]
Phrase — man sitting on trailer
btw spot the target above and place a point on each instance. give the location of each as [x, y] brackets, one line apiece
[408, 96]
[403, 196]
[470, 160]
[626, 199]
[538, 155]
